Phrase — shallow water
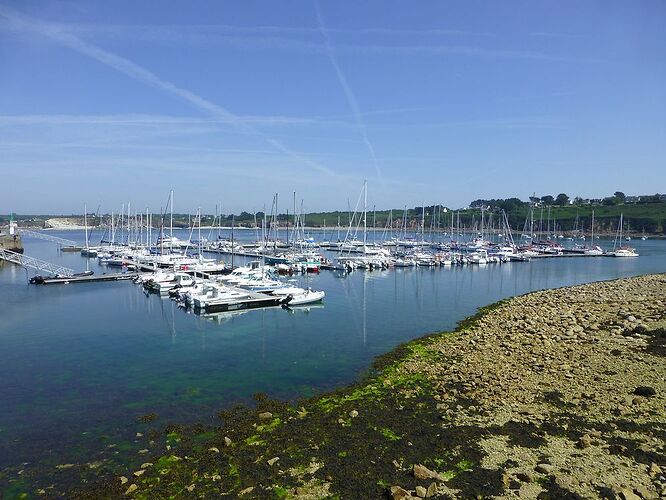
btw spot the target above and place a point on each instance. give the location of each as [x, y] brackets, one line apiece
[79, 363]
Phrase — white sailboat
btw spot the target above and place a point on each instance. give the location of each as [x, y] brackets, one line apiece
[621, 251]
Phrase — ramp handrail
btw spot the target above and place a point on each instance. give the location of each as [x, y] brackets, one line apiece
[34, 263]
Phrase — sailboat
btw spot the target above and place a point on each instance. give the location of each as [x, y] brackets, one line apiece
[621, 251]
[593, 249]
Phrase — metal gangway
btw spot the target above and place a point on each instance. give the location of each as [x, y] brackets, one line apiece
[33, 263]
[47, 237]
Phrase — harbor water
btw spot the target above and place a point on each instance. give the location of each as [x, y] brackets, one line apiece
[80, 363]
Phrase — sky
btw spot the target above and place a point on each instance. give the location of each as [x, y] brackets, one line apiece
[227, 103]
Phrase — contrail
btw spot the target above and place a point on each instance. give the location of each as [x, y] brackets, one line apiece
[147, 77]
[351, 99]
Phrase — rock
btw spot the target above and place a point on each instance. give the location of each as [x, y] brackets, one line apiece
[544, 468]
[422, 472]
[421, 492]
[132, 488]
[273, 460]
[397, 493]
[123, 480]
[190, 487]
[585, 441]
[631, 319]
[227, 441]
[628, 495]
[353, 414]
[645, 390]
[525, 477]
[214, 449]
[139, 472]
[267, 415]
[432, 490]
[654, 469]
[138, 434]
[146, 465]
[644, 493]
[246, 491]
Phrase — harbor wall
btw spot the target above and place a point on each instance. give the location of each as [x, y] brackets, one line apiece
[12, 243]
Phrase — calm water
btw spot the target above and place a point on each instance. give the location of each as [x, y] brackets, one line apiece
[79, 363]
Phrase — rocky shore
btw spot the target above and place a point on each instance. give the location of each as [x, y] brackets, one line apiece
[555, 394]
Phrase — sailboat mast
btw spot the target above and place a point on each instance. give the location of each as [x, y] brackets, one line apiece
[85, 223]
[200, 245]
[171, 222]
[365, 213]
[232, 237]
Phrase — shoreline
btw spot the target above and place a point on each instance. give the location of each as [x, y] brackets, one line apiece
[544, 393]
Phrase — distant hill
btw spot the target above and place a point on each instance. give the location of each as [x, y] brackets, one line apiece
[648, 217]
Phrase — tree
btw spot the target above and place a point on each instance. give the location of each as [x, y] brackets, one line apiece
[548, 199]
[562, 199]
[610, 200]
[620, 196]
[578, 200]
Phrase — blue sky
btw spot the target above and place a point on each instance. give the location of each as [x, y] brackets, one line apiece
[229, 102]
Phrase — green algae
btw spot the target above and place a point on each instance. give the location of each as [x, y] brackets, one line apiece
[389, 405]
[387, 433]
